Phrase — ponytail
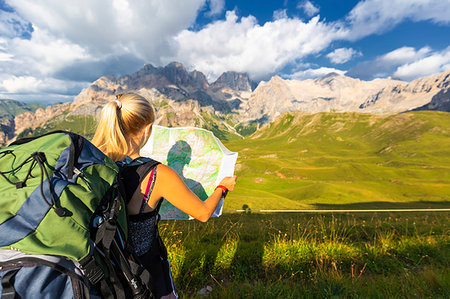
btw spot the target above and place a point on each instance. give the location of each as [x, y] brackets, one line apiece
[109, 137]
[120, 119]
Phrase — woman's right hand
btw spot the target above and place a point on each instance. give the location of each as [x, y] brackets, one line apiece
[229, 182]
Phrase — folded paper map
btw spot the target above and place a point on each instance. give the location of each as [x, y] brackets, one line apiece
[197, 156]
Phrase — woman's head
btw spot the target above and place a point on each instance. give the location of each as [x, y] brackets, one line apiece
[123, 121]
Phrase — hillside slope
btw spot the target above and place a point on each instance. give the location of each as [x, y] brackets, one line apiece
[345, 160]
[82, 118]
[9, 109]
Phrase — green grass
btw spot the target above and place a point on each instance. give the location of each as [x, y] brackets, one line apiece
[13, 108]
[247, 129]
[345, 160]
[312, 256]
[217, 126]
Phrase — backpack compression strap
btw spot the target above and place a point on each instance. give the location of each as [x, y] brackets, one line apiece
[75, 147]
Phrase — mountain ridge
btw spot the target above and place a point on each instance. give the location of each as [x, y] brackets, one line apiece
[238, 105]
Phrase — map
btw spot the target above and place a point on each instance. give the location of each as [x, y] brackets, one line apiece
[197, 156]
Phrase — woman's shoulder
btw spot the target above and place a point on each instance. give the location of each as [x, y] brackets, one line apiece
[165, 170]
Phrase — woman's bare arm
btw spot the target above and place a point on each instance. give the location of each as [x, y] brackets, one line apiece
[170, 186]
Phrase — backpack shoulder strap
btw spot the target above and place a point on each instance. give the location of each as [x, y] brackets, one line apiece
[133, 173]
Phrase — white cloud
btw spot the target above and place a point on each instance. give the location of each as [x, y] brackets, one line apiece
[143, 28]
[314, 73]
[435, 63]
[280, 14]
[342, 55]
[377, 16]
[309, 8]
[404, 55]
[23, 83]
[245, 46]
[43, 53]
[67, 33]
[31, 85]
[5, 57]
[405, 63]
[216, 7]
[12, 25]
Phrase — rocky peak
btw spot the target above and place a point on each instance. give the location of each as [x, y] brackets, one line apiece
[176, 73]
[236, 81]
[335, 81]
[275, 81]
[200, 79]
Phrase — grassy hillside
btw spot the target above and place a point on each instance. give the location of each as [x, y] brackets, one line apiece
[345, 160]
[81, 124]
[86, 124]
[13, 108]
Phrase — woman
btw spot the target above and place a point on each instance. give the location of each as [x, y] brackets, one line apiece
[125, 126]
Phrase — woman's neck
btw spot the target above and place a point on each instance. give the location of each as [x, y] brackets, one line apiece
[133, 149]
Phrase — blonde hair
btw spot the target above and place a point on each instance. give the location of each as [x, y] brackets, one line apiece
[121, 119]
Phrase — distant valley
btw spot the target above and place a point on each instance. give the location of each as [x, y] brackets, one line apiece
[345, 160]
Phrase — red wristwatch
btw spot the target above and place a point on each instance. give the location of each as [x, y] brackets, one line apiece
[224, 190]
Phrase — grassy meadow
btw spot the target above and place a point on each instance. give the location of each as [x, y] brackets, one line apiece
[242, 255]
[345, 161]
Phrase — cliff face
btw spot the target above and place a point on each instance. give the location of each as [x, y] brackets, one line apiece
[235, 81]
[336, 93]
[430, 92]
[9, 111]
[236, 92]
[32, 120]
[171, 82]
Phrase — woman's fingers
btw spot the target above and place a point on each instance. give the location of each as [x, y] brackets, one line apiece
[229, 182]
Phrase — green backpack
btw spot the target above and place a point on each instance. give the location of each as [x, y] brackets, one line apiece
[62, 215]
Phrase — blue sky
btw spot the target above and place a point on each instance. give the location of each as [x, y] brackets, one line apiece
[50, 49]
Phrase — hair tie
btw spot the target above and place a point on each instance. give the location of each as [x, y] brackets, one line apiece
[119, 104]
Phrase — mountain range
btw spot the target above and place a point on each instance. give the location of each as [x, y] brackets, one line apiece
[234, 105]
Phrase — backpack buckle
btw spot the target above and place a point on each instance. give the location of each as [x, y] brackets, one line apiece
[20, 185]
[91, 269]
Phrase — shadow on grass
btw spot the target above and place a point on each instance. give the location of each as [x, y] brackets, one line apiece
[244, 259]
[244, 249]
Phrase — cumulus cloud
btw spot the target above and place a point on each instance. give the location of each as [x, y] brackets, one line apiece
[377, 16]
[43, 53]
[280, 14]
[216, 7]
[405, 63]
[119, 26]
[435, 63]
[314, 73]
[65, 35]
[45, 90]
[404, 55]
[241, 44]
[342, 55]
[12, 25]
[308, 7]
